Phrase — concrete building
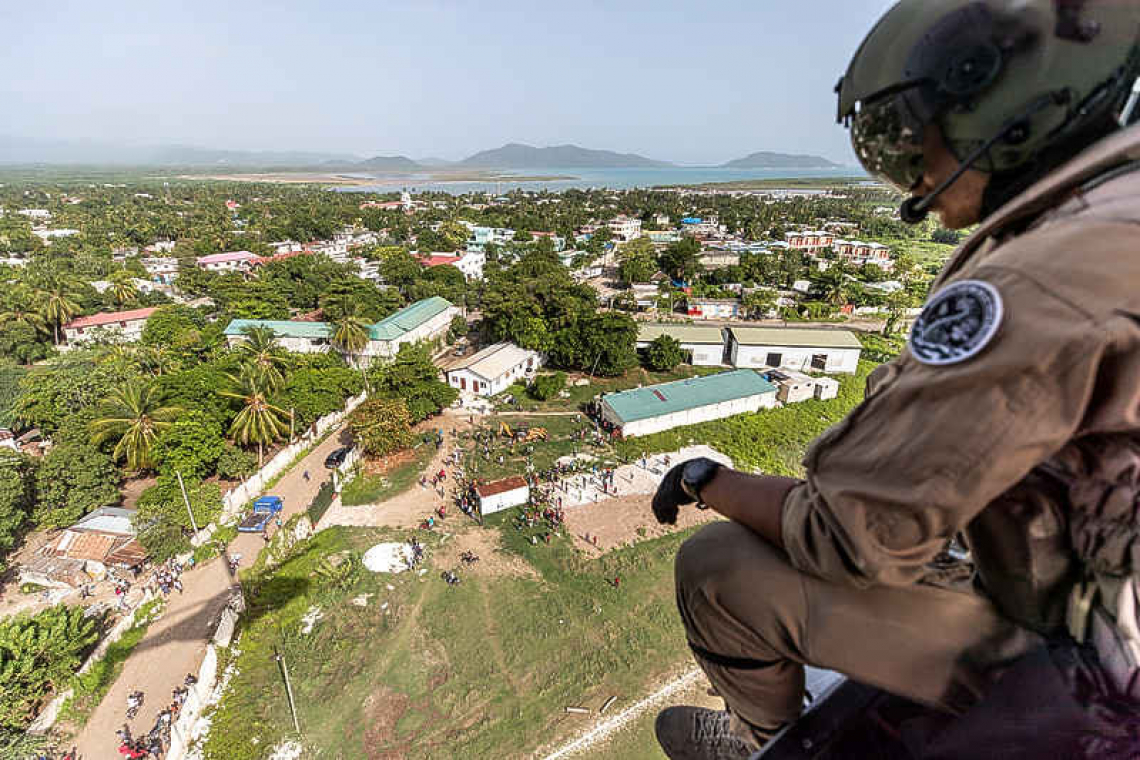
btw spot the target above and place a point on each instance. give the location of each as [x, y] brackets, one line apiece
[625, 228]
[233, 261]
[422, 321]
[705, 345]
[715, 308]
[502, 494]
[482, 236]
[809, 241]
[654, 408]
[120, 326]
[791, 387]
[162, 270]
[49, 235]
[470, 263]
[494, 369]
[714, 259]
[101, 540]
[806, 350]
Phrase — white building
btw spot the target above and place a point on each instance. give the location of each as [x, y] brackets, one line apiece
[163, 270]
[705, 345]
[714, 308]
[120, 326]
[625, 228]
[470, 263]
[655, 408]
[494, 369]
[35, 213]
[423, 321]
[49, 235]
[502, 494]
[806, 350]
[233, 261]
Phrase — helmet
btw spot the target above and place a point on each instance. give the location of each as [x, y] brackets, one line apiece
[1015, 86]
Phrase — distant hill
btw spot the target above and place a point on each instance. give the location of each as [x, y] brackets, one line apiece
[186, 155]
[386, 163]
[766, 160]
[433, 162]
[517, 156]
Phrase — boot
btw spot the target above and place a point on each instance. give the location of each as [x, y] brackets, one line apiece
[696, 733]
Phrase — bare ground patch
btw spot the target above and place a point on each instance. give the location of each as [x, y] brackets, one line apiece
[625, 520]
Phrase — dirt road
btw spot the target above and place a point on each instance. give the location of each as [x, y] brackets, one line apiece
[175, 644]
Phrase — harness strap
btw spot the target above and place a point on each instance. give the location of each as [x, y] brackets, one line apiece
[736, 663]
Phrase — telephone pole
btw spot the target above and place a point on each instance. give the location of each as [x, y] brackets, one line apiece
[186, 499]
[288, 687]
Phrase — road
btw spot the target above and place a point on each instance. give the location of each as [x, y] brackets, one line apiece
[175, 644]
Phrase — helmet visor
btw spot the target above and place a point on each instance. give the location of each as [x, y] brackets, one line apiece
[888, 141]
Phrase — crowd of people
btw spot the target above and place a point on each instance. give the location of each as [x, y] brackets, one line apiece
[156, 741]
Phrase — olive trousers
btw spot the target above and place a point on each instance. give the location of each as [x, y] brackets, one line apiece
[740, 599]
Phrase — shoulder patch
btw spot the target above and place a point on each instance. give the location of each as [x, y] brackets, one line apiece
[957, 323]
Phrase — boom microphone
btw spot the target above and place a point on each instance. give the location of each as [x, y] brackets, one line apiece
[915, 210]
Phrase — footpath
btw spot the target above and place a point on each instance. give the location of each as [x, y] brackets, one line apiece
[175, 644]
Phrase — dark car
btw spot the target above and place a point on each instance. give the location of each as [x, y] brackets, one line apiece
[336, 459]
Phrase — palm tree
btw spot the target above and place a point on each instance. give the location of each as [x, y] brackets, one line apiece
[264, 356]
[59, 302]
[259, 421]
[19, 309]
[134, 415]
[123, 289]
[350, 334]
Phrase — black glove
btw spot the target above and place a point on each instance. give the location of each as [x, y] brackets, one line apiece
[670, 495]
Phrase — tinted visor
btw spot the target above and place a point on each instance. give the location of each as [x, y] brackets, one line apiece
[888, 141]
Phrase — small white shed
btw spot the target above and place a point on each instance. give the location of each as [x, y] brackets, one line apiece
[502, 494]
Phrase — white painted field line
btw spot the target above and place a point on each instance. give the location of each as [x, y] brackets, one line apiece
[603, 729]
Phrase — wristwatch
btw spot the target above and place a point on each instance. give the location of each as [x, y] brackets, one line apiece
[697, 474]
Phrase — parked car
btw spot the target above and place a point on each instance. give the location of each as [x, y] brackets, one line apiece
[263, 511]
[336, 459]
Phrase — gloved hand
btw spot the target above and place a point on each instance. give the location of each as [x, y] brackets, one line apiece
[670, 495]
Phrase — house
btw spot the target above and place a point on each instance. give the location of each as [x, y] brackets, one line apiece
[809, 241]
[234, 261]
[590, 270]
[715, 308]
[803, 349]
[101, 540]
[121, 326]
[424, 320]
[624, 228]
[481, 237]
[645, 294]
[494, 369]
[704, 345]
[49, 235]
[655, 408]
[826, 388]
[712, 259]
[35, 213]
[502, 494]
[162, 270]
[663, 237]
[470, 263]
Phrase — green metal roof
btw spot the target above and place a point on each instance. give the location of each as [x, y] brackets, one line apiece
[408, 318]
[795, 337]
[683, 333]
[281, 329]
[681, 395]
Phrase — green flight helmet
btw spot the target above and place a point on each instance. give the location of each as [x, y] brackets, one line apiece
[1016, 87]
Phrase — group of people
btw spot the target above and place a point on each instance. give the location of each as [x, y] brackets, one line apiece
[168, 577]
[156, 741]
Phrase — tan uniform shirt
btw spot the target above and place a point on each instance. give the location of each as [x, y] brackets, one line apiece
[933, 445]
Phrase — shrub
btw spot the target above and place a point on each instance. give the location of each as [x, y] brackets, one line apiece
[546, 387]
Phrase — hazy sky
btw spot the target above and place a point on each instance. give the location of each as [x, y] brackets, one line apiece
[685, 81]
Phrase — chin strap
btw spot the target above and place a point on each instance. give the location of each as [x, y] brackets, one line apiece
[915, 209]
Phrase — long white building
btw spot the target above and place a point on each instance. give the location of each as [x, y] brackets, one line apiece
[494, 369]
[806, 350]
[704, 345]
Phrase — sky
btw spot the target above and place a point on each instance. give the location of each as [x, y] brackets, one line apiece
[691, 82]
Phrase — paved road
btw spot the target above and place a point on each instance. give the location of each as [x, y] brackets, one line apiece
[175, 644]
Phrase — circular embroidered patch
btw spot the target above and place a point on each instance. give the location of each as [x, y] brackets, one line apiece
[957, 323]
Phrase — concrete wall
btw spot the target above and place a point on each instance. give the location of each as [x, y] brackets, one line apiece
[839, 360]
[691, 416]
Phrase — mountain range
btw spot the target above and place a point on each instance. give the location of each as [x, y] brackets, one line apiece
[14, 150]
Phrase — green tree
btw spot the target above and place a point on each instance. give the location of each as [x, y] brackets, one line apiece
[680, 260]
[760, 302]
[235, 464]
[457, 329]
[38, 655]
[354, 295]
[259, 421]
[17, 498]
[74, 478]
[313, 392]
[192, 445]
[350, 335]
[602, 344]
[123, 290]
[52, 393]
[19, 308]
[638, 262]
[381, 426]
[163, 525]
[413, 377]
[546, 387]
[664, 353]
[399, 269]
[171, 324]
[133, 416]
[260, 351]
[59, 300]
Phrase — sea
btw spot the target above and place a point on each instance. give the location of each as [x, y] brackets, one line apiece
[615, 179]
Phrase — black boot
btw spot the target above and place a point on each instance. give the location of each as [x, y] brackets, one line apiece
[695, 733]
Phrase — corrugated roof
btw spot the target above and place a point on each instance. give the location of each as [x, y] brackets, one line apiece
[681, 395]
[110, 318]
[795, 337]
[683, 333]
[494, 360]
[500, 486]
[108, 520]
[281, 328]
[408, 318]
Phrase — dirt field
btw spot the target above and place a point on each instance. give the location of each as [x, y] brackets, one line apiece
[625, 520]
[493, 561]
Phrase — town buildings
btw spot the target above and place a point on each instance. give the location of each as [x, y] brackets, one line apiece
[806, 350]
[494, 369]
[102, 540]
[116, 326]
[624, 228]
[232, 261]
[715, 308]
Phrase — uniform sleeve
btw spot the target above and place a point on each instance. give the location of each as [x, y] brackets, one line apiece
[931, 446]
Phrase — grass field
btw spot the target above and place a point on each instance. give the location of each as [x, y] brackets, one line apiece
[368, 488]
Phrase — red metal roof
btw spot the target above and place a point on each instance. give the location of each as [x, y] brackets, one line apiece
[500, 486]
[106, 319]
[435, 261]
